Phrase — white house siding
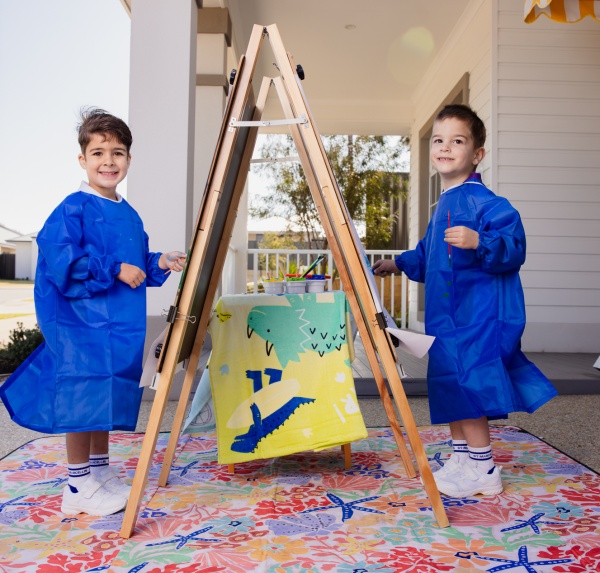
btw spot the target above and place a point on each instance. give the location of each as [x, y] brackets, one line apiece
[24, 265]
[547, 153]
[469, 49]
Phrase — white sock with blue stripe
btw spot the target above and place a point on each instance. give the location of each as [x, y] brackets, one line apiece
[98, 465]
[78, 473]
[461, 450]
[483, 457]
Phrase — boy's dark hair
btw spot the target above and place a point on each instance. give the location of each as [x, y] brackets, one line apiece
[466, 114]
[95, 120]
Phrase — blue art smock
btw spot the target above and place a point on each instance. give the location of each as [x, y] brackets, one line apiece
[475, 308]
[86, 374]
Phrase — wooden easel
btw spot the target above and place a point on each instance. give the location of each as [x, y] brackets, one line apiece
[189, 316]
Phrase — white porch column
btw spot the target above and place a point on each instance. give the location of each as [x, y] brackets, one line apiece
[212, 85]
[161, 117]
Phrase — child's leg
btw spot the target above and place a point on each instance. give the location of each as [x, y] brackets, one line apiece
[99, 454]
[459, 441]
[84, 493]
[460, 453]
[478, 475]
[477, 434]
[100, 468]
[99, 443]
[78, 458]
[78, 447]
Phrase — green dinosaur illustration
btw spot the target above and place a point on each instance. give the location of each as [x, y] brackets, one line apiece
[304, 325]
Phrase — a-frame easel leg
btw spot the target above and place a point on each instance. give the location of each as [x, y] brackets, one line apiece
[349, 261]
[190, 374]
[193, 365]
[149, 442]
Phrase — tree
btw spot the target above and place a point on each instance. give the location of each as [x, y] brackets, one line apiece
[274, 241]
[21, 343]
[367, 169]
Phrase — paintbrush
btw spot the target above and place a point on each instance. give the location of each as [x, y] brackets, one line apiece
[316, 262]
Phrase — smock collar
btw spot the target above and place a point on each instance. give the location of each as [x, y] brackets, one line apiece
[473, 178]
[86, 188]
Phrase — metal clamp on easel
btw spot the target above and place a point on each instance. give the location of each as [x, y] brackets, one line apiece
[172, 313]
[380, 320]
[302, 120]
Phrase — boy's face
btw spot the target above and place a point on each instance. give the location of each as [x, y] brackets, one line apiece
[106, 162]
[453, 153]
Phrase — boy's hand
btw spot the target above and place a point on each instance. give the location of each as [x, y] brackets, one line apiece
[131, 275]
[384, 267]
[462, 237]
[173, 261]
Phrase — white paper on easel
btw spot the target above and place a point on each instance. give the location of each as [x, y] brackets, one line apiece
[412, 342]
[149, 371]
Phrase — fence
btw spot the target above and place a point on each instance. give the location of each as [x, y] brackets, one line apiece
[393, 290]
[7, 266]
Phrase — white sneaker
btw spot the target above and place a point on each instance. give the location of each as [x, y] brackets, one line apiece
[91, 498]
[470, 480]
[111, 481]
[451, 466]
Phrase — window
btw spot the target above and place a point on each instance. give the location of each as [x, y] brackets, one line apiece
[435, 190]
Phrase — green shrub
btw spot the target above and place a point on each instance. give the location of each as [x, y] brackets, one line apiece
[21, 343]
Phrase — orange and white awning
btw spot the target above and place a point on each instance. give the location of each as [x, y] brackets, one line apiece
[562, 10]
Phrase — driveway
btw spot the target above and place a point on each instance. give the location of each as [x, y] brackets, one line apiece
[16, 305]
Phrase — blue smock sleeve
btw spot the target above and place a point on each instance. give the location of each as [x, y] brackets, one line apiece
[502, 243]
[414, 263]
[155, 276]
[75, 272]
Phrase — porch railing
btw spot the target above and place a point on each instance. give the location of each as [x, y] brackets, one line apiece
[393, 290]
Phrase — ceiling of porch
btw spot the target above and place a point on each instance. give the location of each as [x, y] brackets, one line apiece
[363, 60]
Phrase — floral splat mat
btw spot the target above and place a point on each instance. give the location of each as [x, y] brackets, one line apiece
[305, 512]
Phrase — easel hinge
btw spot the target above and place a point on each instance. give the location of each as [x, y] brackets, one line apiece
[381, 322]
[172, 315]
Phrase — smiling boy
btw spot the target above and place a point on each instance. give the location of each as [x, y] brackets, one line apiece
[469, 261]
[90, 297]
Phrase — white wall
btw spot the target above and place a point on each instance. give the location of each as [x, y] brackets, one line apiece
[24, 261]
[547, 148]
[161, 117]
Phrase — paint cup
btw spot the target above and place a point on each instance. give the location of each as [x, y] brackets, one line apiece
[273, 286]
[316, 283]
[295, 285]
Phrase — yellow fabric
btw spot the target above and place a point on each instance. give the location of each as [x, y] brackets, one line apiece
[281, 376]
[566, 11]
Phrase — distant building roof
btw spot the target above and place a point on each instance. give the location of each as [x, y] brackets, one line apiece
[6, 233]
[23, 238]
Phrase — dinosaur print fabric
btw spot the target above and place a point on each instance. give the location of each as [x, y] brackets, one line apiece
[281, 375]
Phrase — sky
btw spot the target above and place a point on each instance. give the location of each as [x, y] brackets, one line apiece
[56, 56]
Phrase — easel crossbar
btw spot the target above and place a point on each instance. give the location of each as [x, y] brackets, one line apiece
[268, 122]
